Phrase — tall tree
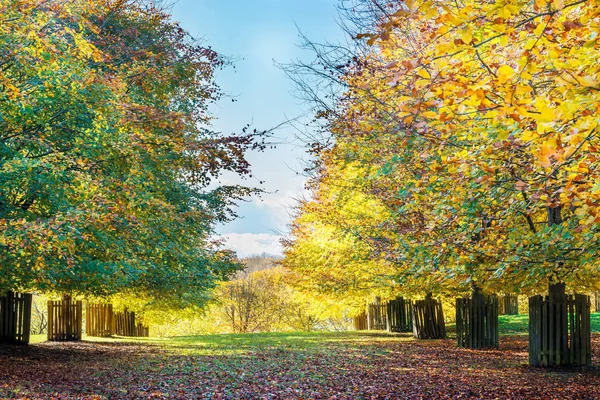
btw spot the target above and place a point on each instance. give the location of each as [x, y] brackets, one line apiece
[106, 155]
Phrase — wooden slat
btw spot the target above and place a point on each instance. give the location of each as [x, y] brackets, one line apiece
[65, 320]
[15, 318]
[428, 319]
[559, 330]
[477, 321]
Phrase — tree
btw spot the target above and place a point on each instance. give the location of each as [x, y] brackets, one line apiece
[486, 111]
[106, 156]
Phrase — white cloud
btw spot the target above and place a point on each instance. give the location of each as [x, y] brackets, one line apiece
[280, 205]
[247, 244]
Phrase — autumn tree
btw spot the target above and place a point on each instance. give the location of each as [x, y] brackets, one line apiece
[106, 154]
[489, 108]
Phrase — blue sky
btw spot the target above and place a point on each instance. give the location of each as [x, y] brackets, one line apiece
[256, 33]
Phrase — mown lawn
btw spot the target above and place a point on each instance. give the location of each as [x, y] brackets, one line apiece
[346, 365]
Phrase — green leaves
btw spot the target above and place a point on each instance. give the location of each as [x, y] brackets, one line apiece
[105, 153]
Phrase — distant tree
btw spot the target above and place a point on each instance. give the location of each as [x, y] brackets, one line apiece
[251, 304]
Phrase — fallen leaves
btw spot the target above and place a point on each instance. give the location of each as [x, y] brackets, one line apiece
[344, 366]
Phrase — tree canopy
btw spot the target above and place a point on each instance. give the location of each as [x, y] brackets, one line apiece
[107, 160]
[473, 127]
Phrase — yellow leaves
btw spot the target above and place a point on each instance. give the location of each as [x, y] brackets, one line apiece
[430, 114]
[11, 90]
[422, 72]
[590, 43]
[503, 134]
[590, 82]
[528, 135]
[505, 73]
[545, 113]
[539, 29]
[522, 111]
[87, 49]
[530, 43]
[499, 27]
[429, 10]
[504, 9]
[467, 35]
[421, 83]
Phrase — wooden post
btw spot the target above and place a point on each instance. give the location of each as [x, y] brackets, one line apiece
[399, 315]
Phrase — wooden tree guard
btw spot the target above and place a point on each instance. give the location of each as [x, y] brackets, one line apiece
[360, 322]
[508, 305]
[477, 321]
[428, 319]
[141, 330]
[65, 319]
[376, 315]
[124, 325]
[99, 320]
[399, 315]
[559, 330]
[15, 318]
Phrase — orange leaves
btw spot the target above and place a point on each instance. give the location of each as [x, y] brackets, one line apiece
[558, 4]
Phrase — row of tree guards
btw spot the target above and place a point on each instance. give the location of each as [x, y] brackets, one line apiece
[65, 320]
[559, 324]
[102, 321]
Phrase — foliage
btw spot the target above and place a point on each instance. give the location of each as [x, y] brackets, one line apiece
[264, 301]
[473, 127]
[252, 304]
[260, 298]
[106, 156]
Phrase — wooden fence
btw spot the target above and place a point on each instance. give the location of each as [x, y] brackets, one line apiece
[399, 315]
[64, 320]
[508, 305]
[559, 330]
[477, 321]
[377, 315]
[124, 325]
[15, 318]
[428, 319]
[360, 322]
[99, 320]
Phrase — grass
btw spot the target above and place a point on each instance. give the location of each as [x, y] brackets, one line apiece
[240, 343]
[519, 324]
